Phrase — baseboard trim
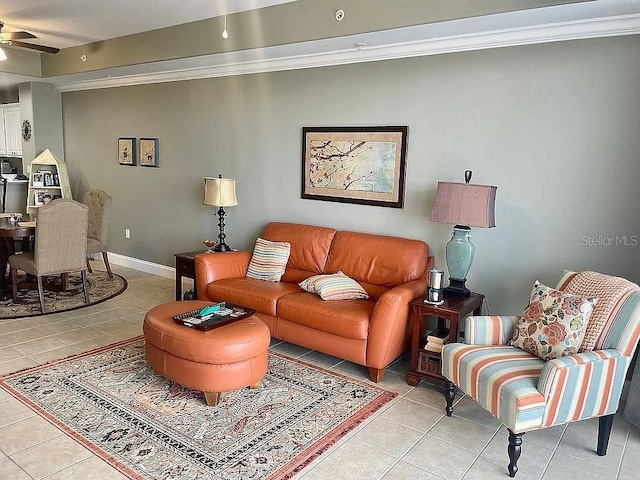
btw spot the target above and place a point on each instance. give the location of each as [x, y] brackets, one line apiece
[142, 265]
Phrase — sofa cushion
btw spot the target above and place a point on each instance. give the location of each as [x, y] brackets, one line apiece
[249, 292]
[309, 248]
[269, 260]
[335, 286]
[378, 259]
[348, 318]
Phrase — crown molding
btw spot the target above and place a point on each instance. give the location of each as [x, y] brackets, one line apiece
[348, 50]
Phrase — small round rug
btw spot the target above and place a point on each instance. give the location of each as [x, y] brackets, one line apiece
[101, 288]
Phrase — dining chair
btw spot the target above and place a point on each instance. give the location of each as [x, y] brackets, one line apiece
[99, 204]
[60, 246]
[565, 359]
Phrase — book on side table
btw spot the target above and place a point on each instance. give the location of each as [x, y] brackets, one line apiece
[436, 339]
[214, 316]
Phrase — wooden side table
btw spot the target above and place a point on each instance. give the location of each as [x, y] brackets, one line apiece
[185, 267]
[426, 364]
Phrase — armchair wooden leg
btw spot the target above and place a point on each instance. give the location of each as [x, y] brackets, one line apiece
[376, 374]
[89, 265]
[604, 432]
[106, 264]
[41, 293]
[514, 449]
[449, 395]
[14, 283]
[85, 288]
[64, 280]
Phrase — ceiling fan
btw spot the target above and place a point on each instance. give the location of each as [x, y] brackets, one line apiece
[13, 39]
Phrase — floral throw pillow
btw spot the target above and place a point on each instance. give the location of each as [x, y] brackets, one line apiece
[553, 323]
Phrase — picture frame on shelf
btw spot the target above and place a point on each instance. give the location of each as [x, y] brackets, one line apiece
[37, 179]
[149, 154]
[39, 197]
[127, 151]
[48, 179]
[362, 165]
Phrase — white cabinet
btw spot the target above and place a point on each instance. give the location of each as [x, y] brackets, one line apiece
[48, 180]
[3, 137]
[10, 130]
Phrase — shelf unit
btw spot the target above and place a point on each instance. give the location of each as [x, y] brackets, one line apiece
[46, 166]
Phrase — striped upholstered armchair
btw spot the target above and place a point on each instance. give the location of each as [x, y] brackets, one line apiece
[526, 392]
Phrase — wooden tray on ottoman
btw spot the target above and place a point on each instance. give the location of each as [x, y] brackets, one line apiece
[192, 319]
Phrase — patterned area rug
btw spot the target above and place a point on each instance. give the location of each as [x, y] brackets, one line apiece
[101, 288]
[148, 427]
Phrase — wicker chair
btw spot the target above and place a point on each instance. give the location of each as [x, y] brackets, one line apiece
[528, 393]
[60, 246]
[99, 204]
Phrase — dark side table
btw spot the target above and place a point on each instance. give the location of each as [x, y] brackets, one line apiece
[426, 364]
[185, 267]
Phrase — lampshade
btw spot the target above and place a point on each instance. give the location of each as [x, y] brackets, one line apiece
[3, 56]
[220, 192]
[465, 204]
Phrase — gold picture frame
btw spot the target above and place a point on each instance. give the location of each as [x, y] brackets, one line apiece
[364, 165]
[149, 152]
[127, 151]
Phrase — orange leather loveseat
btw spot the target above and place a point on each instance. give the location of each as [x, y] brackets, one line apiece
[370, 332]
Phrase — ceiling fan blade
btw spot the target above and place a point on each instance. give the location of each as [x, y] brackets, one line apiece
[32, 46]
[16, 35]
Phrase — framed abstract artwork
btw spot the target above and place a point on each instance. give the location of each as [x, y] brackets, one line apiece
[149, 152]
[127, 151]
[363, 165]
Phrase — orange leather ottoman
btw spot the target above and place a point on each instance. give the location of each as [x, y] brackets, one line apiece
[220, 360]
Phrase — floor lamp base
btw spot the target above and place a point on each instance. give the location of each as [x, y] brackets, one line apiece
[457, 288]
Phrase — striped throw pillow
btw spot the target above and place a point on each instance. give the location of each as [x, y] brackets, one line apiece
[334, 287]
[269, 260]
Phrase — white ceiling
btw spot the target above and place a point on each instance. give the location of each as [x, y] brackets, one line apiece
[68, 23]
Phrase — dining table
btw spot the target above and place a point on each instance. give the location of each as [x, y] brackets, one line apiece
[9, 233]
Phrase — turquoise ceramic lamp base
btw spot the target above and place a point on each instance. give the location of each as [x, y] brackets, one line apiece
[459, 256]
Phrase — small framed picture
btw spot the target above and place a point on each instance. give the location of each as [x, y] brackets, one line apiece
[48, 179]
[127, 151]
[37, 179]
[149, 152]
[39, 197]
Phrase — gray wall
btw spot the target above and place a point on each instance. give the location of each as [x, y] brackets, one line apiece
[41, 104]
[554, 126]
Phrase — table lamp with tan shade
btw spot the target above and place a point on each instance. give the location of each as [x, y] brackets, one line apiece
[464, 205]
[219, 192]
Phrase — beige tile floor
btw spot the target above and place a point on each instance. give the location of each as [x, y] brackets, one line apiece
[409, 438]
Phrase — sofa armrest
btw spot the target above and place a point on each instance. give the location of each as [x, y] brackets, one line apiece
[388, 324]
[584, 385]
[216, 266]
[489, 330]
